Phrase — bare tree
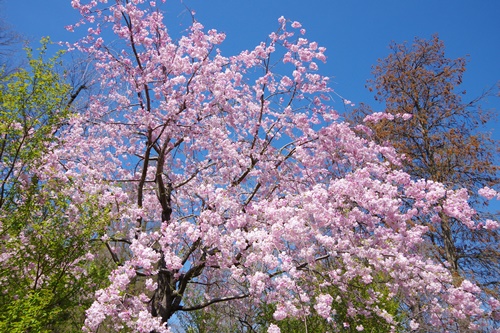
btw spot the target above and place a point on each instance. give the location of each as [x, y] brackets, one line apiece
[8, 40]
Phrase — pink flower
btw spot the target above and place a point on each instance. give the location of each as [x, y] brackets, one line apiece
[280, 313]
[491, 225]
[324, 305]
[378, 116]
[406, 116]
[487, 192]
[348, 102]
[273, 329]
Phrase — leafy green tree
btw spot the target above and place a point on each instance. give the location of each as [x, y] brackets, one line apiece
[45, 275]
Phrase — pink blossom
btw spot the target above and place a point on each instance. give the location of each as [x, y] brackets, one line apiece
[456, 206]
[491, 225]
[378, 116]
[414, 325]
[488, 193]
[280, 313]
[406, 116]
[273, 329]
[324, 305]
[348, 102]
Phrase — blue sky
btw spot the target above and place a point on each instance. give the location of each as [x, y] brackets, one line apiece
[355, 32]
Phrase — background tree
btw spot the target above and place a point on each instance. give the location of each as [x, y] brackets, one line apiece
[9, 41]
[442, 139]
[46, 276]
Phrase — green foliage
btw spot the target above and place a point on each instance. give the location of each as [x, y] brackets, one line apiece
[32, 107]
[49, 259]
[31, 313]
[46, 275]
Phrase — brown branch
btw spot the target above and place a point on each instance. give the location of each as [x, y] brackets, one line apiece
[212, 301]
[75, 94]
[113, 255]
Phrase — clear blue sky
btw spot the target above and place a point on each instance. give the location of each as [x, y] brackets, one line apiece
[355, 32]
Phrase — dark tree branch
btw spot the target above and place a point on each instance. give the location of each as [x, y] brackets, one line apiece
[213, 301]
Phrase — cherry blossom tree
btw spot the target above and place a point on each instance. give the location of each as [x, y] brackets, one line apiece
[235, 174]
